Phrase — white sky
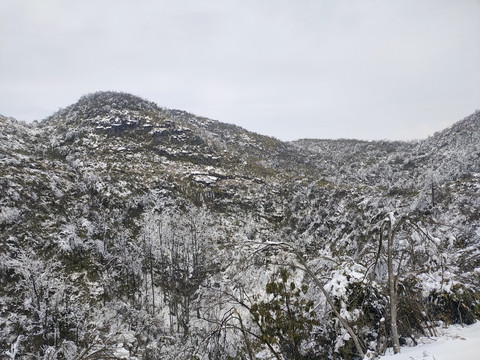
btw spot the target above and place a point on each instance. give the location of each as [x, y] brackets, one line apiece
[365, 69]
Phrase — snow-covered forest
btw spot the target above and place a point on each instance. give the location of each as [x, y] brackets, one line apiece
[131, 231]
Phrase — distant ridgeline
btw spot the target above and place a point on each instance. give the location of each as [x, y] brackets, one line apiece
[131, 231]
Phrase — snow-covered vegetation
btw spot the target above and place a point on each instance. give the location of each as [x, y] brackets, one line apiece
[130, 231]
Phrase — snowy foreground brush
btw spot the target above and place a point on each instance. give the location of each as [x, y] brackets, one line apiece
[454, 343]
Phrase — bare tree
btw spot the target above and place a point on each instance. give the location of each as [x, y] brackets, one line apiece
[392, 226]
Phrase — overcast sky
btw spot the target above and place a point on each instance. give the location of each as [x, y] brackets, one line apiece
[379, 69]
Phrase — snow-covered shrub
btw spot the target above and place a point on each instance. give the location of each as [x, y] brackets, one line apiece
[363, 303]
[287, 320]
[413, 316]
[460, 305]
[9, 215]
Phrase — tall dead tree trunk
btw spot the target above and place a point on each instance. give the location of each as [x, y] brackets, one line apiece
[392, 287]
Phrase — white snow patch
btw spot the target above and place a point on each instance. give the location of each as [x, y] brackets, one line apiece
[121, 352]
[207, 179]
[455, 343]
[9, 215]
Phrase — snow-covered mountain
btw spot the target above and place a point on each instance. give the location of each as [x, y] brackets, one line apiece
[132, 231]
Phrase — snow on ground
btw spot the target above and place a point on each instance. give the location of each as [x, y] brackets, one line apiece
[455, 343]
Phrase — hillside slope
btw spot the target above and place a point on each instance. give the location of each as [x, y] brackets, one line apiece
[132, 231]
